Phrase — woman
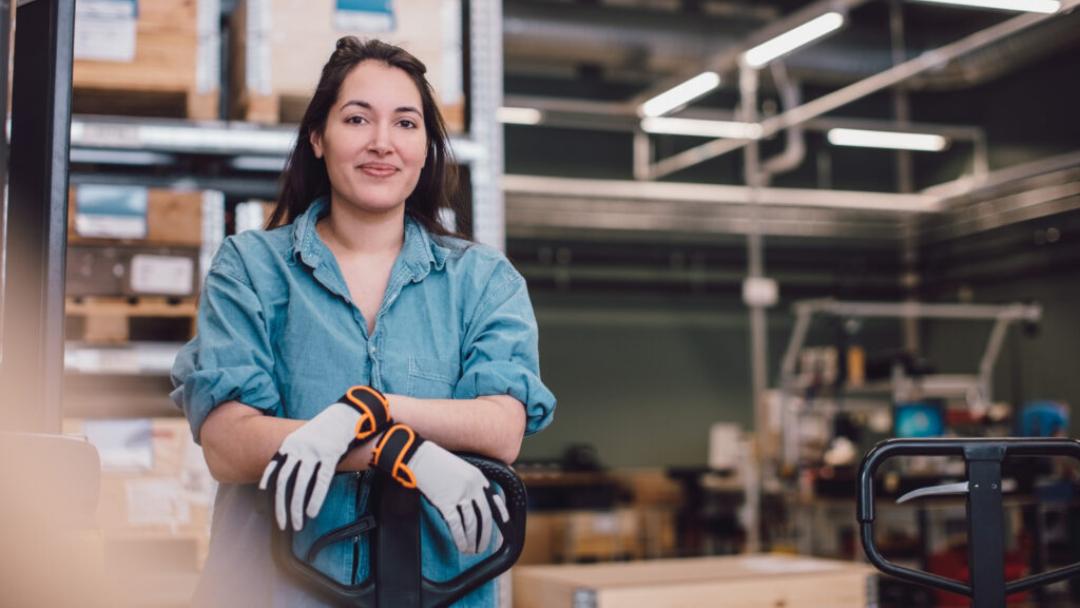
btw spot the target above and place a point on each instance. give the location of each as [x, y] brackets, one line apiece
[360, 287]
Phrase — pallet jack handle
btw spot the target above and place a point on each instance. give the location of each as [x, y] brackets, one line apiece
[396, 579]
[983, 458]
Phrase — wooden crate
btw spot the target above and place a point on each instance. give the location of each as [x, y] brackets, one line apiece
[602, 536]
[173, 71]
[280, 47]
[109, 320]
[746, 581]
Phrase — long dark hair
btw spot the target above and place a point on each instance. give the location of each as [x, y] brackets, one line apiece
[305, 177]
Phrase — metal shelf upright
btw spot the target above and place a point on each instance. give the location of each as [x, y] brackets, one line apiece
[35, 213]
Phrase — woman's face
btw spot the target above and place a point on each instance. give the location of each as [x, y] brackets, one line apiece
[374, 143]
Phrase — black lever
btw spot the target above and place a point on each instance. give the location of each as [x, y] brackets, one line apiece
[395, 578]
[986, 542]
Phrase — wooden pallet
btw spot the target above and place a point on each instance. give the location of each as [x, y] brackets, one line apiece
[180, 103]
[108, 320]
[173, 73]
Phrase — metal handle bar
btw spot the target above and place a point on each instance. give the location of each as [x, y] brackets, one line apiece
[971, 450]
[432, 594]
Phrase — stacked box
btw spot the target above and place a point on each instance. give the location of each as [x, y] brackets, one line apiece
[132, 271]
[135, 216]
[280, 47]
[138, 255]
[147, 57]
[602, 536]
[156, 490]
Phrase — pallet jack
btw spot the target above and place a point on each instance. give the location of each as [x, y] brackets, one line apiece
[395, 578]
[985, 517]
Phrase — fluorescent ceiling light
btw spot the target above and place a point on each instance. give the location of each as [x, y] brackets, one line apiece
[518, 116]
[701, 128]
[1028, 6]
[783, 44]
[680, 95]
[861, 138]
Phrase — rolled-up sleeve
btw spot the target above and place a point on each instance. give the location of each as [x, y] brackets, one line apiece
[501, 352]
[230, 358]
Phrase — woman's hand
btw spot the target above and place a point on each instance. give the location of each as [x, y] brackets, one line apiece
[457, 489]
[301, 470]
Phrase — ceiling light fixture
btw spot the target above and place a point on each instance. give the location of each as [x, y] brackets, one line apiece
[893, 140]
[519, 116]
[819, 26]
[680, 95]
[701, 128]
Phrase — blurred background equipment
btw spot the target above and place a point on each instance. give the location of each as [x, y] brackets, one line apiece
[759, 236]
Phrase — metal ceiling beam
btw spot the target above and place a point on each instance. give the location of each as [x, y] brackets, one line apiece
[645, 211]
[925, 62]
[1010, 203]
[954, 191]
[621, 116]
[720, 194]
[623, 209]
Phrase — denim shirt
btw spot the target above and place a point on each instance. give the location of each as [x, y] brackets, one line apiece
[278, 331]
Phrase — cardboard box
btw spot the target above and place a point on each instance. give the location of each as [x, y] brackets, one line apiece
[282, 45]
[156, 491]
[132, 271]
[602, 536]
[745, 581]
[134, 215]
[95, 271]
[142, 57]
[650, 486]
[544, 532]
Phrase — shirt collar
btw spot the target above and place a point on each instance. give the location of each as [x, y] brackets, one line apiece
[420, 253]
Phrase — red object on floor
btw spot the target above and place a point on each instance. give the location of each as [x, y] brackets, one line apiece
[953, 563]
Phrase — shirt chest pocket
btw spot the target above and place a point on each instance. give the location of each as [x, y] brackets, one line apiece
[431, 378]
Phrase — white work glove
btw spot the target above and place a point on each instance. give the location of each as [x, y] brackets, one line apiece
[304, 465]
[457, 489]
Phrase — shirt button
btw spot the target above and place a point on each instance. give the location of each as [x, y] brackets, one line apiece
[371, 350]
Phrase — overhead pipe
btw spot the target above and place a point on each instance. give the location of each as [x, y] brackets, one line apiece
[795, 146]
[925, 62]
[905, 172]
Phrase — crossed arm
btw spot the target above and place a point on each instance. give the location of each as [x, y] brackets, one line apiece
[239, 440]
